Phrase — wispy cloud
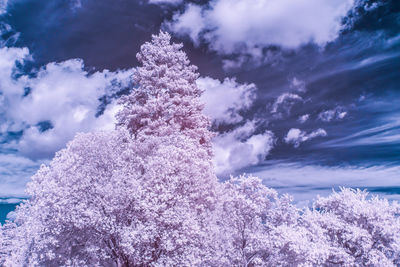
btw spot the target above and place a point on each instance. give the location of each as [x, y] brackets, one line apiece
[305, 182]
[389, 133]
[15, 172]
[284, 102]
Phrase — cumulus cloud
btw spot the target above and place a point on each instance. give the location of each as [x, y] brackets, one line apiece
[296, 136]
[49, 108]
[241, 148]
[224, 100]
[304, 118]
[232, 26]
[190, 23]
[337, 113]
[284, 103]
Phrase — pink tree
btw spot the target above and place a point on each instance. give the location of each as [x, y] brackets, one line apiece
[258, 228]
[141, 195]
[167, 99]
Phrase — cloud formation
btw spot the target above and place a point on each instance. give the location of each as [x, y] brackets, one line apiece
[224, 100]
[298, 85]
[232, 26]
[337, 113]
[306, 182]
[243, 145]
[304, 118]
[296, 136]
[284, 103]
[240, 148]
[51, 106]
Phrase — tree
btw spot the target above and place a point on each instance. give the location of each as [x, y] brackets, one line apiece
[362, 230]
[258, 228]
[168, 99]
[136, 196]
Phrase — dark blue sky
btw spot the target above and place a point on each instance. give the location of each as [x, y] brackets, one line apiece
[328, 92]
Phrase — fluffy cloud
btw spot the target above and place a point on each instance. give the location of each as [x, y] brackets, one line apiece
[241, 148]
[337, 113]
[297, 136]
[231, 26]
[304, 118]
[224, 100]
[49, 108]
[190, 23]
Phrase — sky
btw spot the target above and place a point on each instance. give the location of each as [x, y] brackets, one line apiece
[304, 94]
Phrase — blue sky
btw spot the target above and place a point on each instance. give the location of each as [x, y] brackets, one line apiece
[304, 94]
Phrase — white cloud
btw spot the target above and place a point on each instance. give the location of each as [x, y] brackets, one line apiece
[224, 100]
[284, 103]
[62, 95]
[240, 148]
[231, 26]
[304, 118]
[297, 136]
[298, 85]
[190, 23]
[337, 113]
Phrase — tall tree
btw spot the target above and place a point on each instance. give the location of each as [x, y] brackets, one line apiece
[137, 196]
[167, 99]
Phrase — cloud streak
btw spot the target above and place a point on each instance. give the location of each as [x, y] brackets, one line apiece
[305, 182]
